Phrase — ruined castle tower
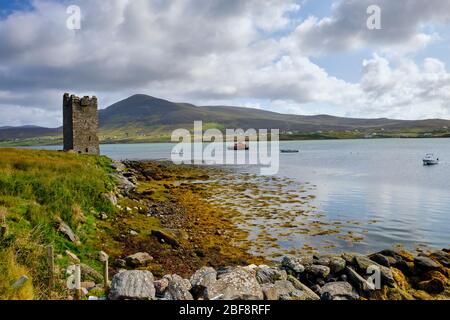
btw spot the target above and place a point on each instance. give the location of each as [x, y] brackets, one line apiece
[80, 117]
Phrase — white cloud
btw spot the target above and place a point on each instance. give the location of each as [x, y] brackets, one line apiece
[402, 27]
[219, 51]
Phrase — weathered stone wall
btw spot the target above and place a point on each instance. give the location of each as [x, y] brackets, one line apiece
[80, 124]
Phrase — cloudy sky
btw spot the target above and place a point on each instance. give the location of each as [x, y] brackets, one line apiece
[290, 56]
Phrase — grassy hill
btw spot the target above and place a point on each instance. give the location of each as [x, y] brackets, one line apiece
[38, 190]
[142, 118]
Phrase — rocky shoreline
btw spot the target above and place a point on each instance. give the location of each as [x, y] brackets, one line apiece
[402, 276]
[392, 274]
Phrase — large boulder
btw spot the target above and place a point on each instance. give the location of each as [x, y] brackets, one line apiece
[124, 185]
[399, 258]
[296, 264]
[307, 293]
[178, 288]
[138, 259]
[282, 290]
[202, 279]
[132, 285]
[433, 286]
[426, 264]
[364, 264]
[338, 291]
[264, 274]
[386, 261]
[362, 285]
[334, 262]
[442, 257]
[235, 284]
[318, 271]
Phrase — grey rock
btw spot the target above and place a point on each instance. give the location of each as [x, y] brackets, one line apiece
[442, 257]
[138, 259]
[89, 273]
[161, 286]
[363, 264]
[281, 290]
[67, 231]
[338, 291]
[308, 293]
[425, 263]
[335, 263]
[178, 288]
[132, 285]
[318, 271]
[110, 197]
[382, 259]
[120, 263]
[269, 275]
[349, 257]
[235, 284]
[362, 285]
[295, 264]
[118, 166]
[89, 285]
[125, 186]
[202, 279]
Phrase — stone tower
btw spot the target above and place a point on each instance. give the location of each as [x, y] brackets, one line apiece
[80, 117]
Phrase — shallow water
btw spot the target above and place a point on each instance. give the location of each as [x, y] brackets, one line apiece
[377, 191]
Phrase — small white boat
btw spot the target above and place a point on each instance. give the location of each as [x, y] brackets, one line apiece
[430, 160]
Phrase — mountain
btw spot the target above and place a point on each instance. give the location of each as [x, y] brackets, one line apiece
[142, 111]
[26, 132]
[142, 117]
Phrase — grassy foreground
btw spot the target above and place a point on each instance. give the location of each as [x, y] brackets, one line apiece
[39, 190]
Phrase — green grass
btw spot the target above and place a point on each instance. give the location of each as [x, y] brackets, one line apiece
[38, 190]
[157, 134]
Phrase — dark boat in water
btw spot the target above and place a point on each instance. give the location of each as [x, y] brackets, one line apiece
[239, 146]
[289, 151]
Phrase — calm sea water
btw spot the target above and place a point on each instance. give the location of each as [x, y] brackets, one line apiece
[363, 180]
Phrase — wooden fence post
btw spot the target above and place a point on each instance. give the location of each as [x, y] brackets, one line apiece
[51, 270]
[77, 282]
[3, 231]
[104, 258]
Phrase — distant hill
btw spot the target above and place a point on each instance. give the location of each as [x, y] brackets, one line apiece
[142, 117]
[26, 132]
[145, 111]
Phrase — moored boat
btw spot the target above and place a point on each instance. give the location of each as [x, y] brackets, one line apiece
[289, 151]
[239, 146]
[430, 160]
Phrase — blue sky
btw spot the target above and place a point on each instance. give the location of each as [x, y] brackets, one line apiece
[289, 56]
[9, 6]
